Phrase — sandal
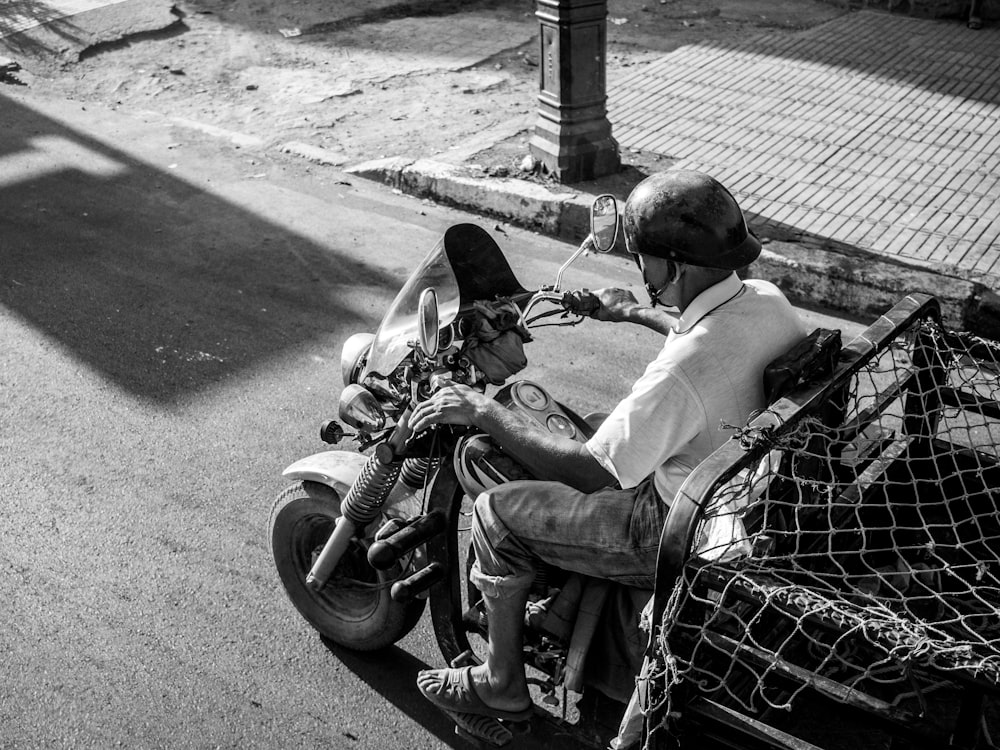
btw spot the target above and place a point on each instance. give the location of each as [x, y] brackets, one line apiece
[452, 690]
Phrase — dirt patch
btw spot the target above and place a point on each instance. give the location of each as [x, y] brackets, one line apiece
[374, 78]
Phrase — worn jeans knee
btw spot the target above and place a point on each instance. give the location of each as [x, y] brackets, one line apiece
[503, 568]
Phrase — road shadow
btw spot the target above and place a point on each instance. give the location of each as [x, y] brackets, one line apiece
[158, 285]
[392, 673]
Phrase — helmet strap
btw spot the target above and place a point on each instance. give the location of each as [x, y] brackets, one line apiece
[654, 293]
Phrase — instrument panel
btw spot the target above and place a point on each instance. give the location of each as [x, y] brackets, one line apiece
[534, 402]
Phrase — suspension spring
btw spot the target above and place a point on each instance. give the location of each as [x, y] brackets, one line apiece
[369, 492]
[416, 470]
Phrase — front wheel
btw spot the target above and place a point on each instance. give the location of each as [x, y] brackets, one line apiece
[354, 609]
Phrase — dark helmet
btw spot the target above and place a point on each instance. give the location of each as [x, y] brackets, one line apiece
[688, 217]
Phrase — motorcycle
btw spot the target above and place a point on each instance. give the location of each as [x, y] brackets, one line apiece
[364, 540]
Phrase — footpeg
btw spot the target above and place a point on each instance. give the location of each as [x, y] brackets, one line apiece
[408, 589]
[467, 658]
[481, 729]
[387, 550]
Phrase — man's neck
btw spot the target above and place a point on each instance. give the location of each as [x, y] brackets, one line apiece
[695, 281]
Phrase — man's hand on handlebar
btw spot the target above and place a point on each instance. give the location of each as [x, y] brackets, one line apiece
[612, 305]
[457, 404]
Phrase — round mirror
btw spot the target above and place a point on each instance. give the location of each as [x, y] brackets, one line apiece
[427, 312]
[604, 223]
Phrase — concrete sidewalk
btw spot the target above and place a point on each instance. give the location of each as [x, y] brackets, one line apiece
[23, 15]
[866, 150]
[60, 29]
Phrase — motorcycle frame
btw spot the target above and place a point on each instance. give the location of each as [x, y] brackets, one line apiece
[445, 494]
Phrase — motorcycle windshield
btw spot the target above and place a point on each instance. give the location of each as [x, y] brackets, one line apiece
[465, 265]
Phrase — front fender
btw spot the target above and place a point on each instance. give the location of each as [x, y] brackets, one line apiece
[335, 469]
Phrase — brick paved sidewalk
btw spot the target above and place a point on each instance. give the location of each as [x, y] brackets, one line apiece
[875, 130]
[21, 15]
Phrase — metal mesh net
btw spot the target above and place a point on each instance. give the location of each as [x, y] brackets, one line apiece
[857, 550]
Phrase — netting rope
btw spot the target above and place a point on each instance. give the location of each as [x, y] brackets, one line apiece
[862, 551]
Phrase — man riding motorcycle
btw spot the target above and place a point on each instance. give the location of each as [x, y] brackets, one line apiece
[597, 508]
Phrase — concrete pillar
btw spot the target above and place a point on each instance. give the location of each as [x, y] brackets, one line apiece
[572, 137]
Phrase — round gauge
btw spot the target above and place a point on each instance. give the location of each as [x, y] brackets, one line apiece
[532, 396]
[447, 337]
[559, 425]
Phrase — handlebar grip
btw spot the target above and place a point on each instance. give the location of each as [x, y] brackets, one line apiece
[581, 302]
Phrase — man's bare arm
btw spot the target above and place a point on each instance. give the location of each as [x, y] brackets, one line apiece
[545, 455]
[620, 306]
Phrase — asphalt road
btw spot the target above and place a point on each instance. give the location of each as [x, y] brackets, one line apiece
[172, 306]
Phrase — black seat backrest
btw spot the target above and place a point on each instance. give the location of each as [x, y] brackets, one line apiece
[809, 360]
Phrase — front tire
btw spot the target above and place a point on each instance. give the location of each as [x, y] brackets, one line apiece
[354, 609]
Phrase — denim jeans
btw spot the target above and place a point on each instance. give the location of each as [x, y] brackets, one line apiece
[612, 534]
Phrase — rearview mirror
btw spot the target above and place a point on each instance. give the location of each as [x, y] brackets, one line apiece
[427, 313]
[604, 223]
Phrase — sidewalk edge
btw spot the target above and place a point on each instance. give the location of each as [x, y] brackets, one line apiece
[856, 282]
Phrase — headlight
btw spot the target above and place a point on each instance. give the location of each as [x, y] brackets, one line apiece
[354, 356]
[360, 409]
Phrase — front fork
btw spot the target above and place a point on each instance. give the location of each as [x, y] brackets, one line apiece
[363, 502]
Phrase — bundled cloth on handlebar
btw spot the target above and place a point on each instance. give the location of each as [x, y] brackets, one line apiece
[496, 346]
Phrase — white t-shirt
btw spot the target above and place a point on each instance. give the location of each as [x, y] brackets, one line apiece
[710, 371]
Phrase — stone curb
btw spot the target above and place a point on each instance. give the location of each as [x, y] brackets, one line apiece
[526, 204]
[845, 279]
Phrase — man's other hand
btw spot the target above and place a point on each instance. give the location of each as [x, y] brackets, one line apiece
[617, 305]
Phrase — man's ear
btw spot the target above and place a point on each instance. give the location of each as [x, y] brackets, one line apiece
[678, 271]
